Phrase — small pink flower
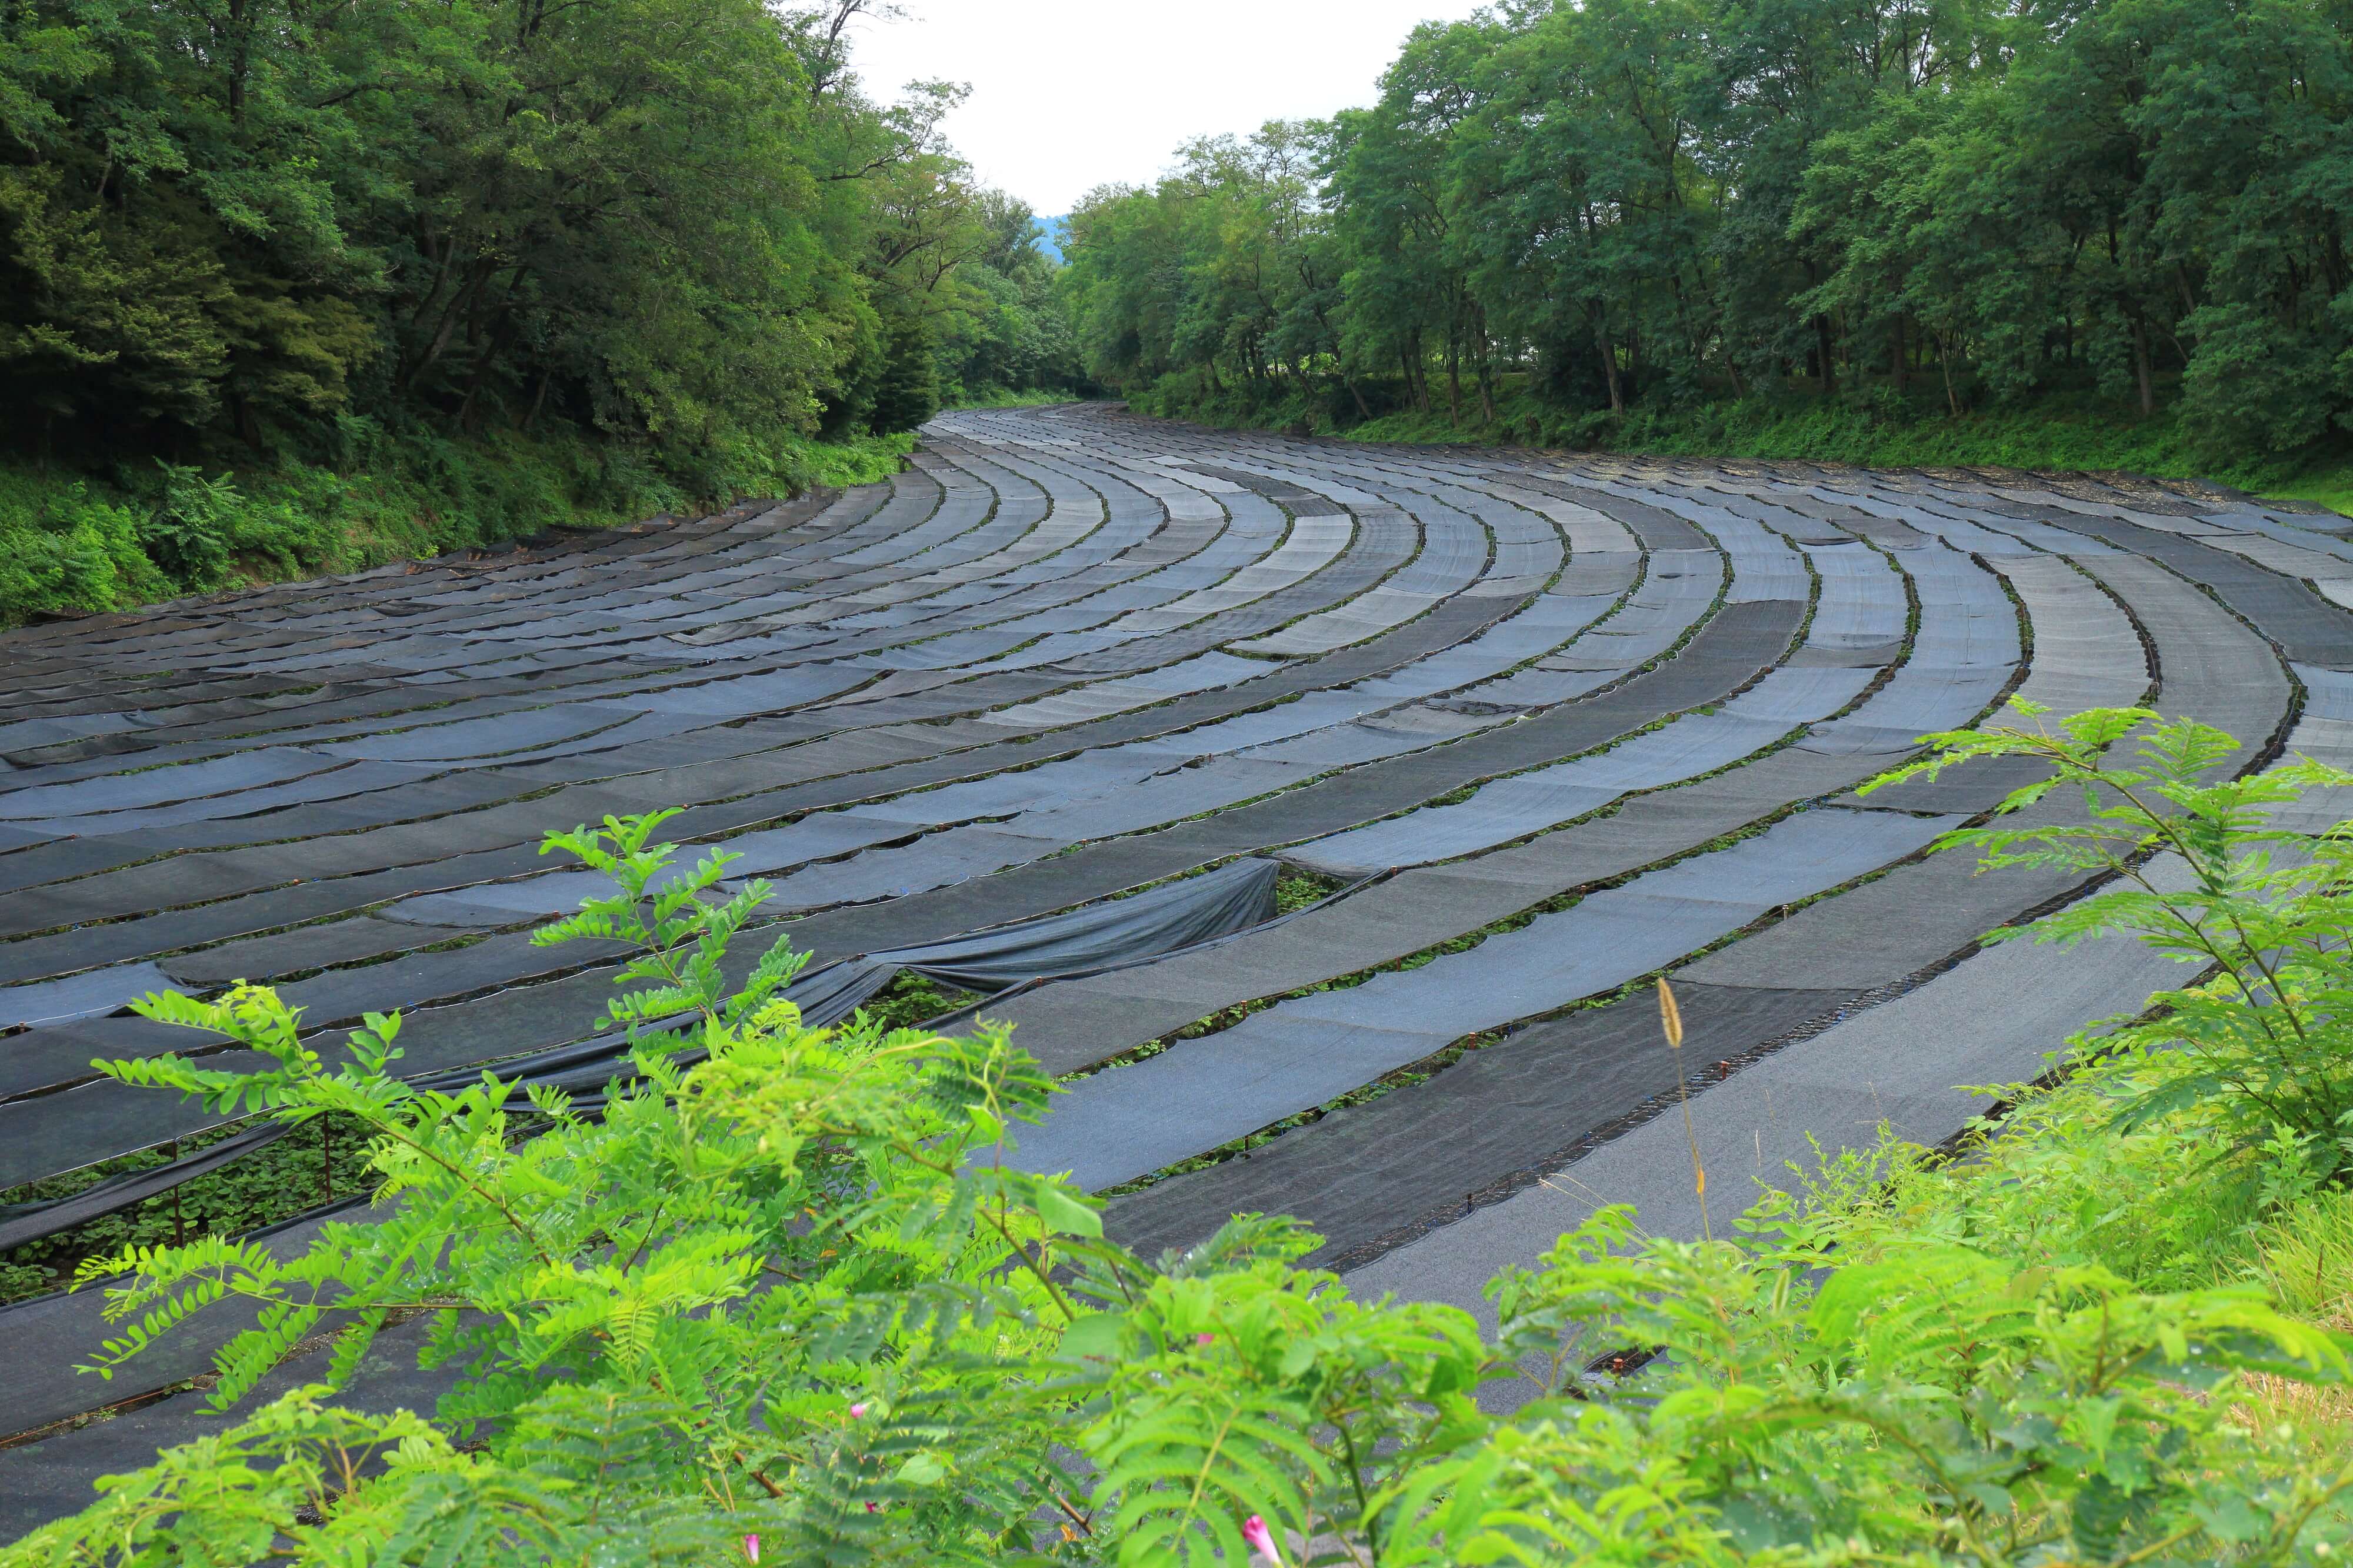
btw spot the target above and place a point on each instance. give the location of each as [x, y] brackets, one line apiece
[871, 1508]
[1205, 1339]
[1261, 1540]
[752, 1550]
[857, 1411]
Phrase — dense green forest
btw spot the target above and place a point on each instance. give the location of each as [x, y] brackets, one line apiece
[2057, 230]
[285, 284]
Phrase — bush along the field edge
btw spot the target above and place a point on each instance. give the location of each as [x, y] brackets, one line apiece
[77, 542]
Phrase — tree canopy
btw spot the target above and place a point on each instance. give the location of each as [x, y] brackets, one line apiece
[1656, 202]
[240, 224]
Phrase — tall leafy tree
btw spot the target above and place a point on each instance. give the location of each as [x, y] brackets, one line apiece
[1632, 203]
[225, 225]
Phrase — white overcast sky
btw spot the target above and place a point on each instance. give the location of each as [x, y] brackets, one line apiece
[1068, 94]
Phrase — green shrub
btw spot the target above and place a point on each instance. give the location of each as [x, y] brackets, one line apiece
[784, 1286]
[196, 527]
[79, 543]
[1869, 424]
[2258, 910]
[63, 549]
[909, 391]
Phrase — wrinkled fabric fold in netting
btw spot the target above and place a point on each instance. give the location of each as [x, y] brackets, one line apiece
[1184, 913]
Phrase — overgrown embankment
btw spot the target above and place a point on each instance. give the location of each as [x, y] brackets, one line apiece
[1875, 427]
[75, 541]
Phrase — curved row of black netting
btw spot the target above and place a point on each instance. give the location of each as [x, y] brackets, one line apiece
[1048, 716]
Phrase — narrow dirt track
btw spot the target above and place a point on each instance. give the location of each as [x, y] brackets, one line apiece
[1567, 722]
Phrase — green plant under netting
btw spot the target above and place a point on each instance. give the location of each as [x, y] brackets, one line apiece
[786, 1288]
[320, 1162]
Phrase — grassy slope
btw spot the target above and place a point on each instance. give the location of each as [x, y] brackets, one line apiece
[1002, 399]
[74, 540]
[2173, 1204]
[1877, 430]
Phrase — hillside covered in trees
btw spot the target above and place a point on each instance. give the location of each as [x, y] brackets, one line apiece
[433, 274]
[2085, 229]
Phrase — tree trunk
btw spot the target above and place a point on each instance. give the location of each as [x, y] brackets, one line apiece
[1822, 355]
[1486, 366]
[1453, 378]
[1944, 364]
[241, 60]
[2141, 369]
[1608, 363]
[1896, 367]
[489, 347]
[450, 317]
[248, 426]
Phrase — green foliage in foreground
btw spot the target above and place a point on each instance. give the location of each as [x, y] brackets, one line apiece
[2197, 866]
[316, 1164]
[785, 1288]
